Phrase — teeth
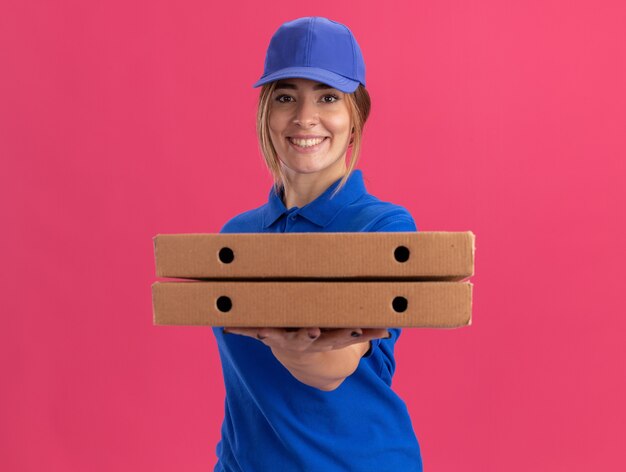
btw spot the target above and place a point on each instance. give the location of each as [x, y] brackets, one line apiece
[306, 142]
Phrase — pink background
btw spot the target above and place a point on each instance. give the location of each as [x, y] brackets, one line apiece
[120, 120]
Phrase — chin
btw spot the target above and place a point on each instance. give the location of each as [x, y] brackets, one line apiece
[299, 167]
[306, 171]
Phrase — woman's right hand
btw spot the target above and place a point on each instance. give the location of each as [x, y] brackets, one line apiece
[308, 340]
[319, 358]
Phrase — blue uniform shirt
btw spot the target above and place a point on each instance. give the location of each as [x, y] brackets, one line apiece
[273, 422]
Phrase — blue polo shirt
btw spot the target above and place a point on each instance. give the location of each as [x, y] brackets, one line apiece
[273, 422]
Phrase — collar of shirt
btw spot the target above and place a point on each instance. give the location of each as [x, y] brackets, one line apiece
[323, 209]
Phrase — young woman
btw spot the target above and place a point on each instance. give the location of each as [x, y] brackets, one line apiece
[314, 399]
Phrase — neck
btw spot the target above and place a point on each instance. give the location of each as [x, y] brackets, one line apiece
[301, 189]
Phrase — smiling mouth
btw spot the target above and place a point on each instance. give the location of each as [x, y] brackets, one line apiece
[306, 143]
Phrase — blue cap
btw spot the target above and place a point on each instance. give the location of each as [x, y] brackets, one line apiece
[318, 49]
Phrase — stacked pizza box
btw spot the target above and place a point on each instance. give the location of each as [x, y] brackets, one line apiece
[408, 279]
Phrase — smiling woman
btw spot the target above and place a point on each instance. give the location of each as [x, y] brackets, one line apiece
[281, 99]
[310, 130]
[314, 399]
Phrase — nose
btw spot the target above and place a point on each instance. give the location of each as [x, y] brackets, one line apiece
[306, 114]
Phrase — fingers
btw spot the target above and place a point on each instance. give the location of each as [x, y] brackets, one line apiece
[343, 337]
[296, 339]
[358, 334]
[378, 333]
[258, 333]
[311, 339]
[313, 333]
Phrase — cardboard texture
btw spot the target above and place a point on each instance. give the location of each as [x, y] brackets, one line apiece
[408, 256]
[328, 280]
[307, 304]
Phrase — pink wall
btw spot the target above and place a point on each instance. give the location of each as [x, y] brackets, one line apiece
[120, 120]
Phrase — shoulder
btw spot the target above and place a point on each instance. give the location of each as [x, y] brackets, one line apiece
[379, 216]
[393, 217]
[250, 221]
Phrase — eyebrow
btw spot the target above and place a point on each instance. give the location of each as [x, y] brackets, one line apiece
[287, 85]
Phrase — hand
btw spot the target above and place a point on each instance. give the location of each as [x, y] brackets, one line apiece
[309, 340]
[319, 357]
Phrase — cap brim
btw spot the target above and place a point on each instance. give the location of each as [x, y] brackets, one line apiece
[312, 73]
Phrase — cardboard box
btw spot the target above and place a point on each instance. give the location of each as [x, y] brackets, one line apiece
[359, 256]
[313, 304]
[326, 280]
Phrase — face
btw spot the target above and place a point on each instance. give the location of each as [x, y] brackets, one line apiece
[310, 128]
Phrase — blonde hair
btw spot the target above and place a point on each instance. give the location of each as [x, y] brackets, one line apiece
[359, 105]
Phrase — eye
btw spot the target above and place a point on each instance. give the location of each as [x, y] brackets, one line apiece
[330, 98]
[284, 99]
